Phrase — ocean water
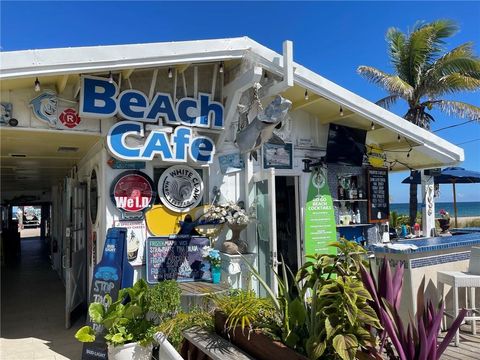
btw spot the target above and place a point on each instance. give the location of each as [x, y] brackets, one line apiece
[463, 208]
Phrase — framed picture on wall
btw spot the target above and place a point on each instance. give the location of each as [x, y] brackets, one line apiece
[278, 156]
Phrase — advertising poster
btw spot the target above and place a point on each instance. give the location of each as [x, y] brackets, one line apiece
[320, 227]
[136, 235]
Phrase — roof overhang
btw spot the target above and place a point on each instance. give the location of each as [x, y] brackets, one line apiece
[430, 150]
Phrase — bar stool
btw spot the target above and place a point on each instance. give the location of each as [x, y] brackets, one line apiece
[469, 280]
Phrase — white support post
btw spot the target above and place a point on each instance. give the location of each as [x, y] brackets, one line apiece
[287, 81]
[428, 204]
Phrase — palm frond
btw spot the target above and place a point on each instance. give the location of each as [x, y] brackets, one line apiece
[392, 83]
[396, 41]
[458, 60]
[458, 108]
[423, 46]
[387, 101]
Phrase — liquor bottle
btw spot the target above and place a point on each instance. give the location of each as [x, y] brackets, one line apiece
[358, 219]
[353, 188]
[341, 192]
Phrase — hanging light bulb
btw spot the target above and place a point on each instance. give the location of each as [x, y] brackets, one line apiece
[372, 126]
[306, 95]
[110, 77]
[410, 177]
[37, 85]
[265, 75]
[170, 73]
[220, 68]
[398, 138]
[408, 154]
[341, 111]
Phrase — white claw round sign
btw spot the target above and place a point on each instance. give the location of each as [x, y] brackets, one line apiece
[180, 188]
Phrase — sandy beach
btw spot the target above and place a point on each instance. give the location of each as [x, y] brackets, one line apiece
[466, 221]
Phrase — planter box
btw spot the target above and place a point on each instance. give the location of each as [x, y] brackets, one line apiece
[131, 351]
[256, 344]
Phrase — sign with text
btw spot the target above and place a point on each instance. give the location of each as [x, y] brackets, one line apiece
[180, 188]
[175, 257]
[378, 202]
[136, 235]
[132, 191]
[320, 227]
[101, 98]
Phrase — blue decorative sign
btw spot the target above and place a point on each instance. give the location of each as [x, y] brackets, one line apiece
[126, 165]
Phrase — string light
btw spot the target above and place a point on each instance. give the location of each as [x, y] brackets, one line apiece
[37, 85]
[170, 73]
[341, 111]
[220, 68]
[372, 126]
[110, 77]
[306, 95]
[398, 138]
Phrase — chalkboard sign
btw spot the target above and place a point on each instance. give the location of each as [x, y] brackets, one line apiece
[175, 257]
[378, 201]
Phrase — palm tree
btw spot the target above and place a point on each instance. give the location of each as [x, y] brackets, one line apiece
[424, 73]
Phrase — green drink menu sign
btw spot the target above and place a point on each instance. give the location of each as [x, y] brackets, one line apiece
[320, 227]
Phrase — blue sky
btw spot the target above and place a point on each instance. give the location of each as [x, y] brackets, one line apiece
[331, 38]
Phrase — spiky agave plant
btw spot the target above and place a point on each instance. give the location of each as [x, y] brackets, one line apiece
[424, 75]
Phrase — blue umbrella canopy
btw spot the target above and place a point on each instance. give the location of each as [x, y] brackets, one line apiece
[449, 175]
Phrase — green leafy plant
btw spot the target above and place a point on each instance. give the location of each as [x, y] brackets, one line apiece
[125, 320]
[243, 308]
[324, 311]
[164, 300]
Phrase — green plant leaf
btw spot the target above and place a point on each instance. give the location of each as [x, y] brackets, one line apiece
[96, 311]
[133, 312]
[315, 348]
[345, 346]
[117, 339]
[297, 312]
[85, 334]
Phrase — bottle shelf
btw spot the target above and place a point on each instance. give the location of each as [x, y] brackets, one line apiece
[353, 225]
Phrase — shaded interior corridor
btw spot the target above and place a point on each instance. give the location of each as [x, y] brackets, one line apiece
[33, 307]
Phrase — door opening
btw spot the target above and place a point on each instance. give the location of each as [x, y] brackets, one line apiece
[287, 220]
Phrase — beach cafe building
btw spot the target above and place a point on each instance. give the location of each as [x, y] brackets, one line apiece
[137, 136]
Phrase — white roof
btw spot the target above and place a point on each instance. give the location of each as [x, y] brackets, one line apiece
[45, 62]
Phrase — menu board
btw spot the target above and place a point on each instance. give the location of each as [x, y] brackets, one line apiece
[176, 257]
[378, 201]
[320, 228]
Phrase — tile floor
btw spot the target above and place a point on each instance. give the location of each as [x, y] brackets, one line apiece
[32, 310]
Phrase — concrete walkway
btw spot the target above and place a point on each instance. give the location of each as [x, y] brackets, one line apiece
[32, 309]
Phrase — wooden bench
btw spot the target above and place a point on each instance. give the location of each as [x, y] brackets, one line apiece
[200, 344]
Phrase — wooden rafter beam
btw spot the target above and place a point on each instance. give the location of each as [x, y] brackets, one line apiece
[336, 117]
[127, 73]
[312, 99]
[181, 68]
[61, 83]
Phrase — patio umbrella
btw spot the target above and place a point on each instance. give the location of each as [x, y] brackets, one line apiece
[450, 175]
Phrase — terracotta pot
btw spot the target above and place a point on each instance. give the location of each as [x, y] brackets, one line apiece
[258, 345]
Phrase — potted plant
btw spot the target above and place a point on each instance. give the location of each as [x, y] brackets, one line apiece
[128, 330]
[213, 257]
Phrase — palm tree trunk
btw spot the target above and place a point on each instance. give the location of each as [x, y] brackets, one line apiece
[413, 202]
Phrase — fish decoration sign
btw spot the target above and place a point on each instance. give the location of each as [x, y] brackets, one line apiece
[55, 112]
[260, 130]
[176, 143]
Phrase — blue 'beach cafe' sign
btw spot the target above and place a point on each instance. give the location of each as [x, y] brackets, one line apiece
[100, 98]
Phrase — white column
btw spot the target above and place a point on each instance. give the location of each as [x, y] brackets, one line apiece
[428, 204]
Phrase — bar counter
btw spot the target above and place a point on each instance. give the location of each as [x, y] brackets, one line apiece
[423, 257]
